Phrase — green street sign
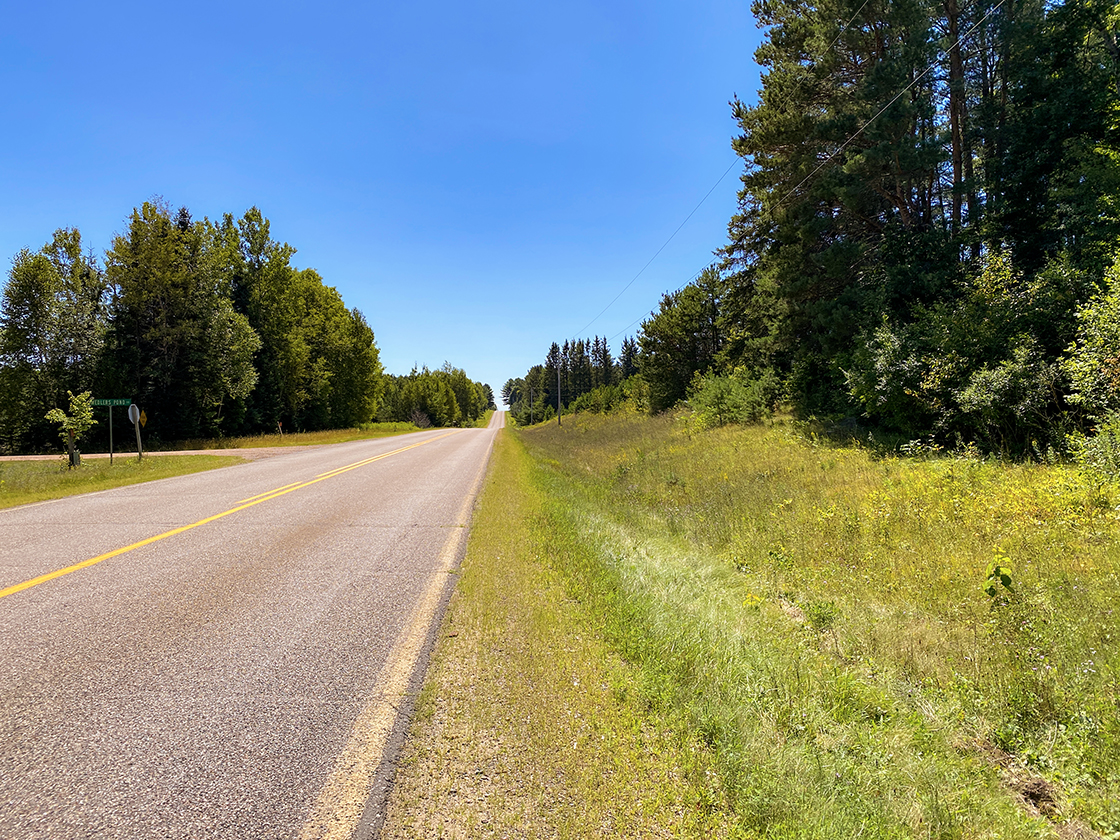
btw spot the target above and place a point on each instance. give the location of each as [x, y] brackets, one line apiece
[125, 401]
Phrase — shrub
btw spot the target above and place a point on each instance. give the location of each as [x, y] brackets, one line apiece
[1093, 360]
[720, 399]
[1099, 453]
[600, 400]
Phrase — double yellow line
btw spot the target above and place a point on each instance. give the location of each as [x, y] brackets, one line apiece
[242, 505]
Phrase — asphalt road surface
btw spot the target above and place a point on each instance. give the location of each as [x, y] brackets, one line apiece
[228, 654]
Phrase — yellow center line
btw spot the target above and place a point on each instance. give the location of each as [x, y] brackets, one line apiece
[239, 506]
[266, 493]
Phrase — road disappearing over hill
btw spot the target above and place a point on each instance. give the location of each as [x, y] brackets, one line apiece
[230, 653]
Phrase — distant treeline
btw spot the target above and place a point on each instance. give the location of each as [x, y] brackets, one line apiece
[928, 226]
[206, 326]
[586, 373]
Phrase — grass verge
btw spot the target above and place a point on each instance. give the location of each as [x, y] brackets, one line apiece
[876, 647]
[529, 725]
[368, 431]
[857, 646]
[23, 482]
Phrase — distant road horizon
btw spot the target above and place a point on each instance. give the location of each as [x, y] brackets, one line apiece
[231, 653]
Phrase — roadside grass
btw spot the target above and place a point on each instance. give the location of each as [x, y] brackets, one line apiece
[529, 725]
[368, 431]
[867, 646]
[483, 421]
[23, 482]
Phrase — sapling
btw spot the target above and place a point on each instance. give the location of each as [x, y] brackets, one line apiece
[75, 424]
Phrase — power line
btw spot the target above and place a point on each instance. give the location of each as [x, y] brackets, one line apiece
[659, 250]
[642, 318]
[883, 110]
[821, 166]
[843, 29]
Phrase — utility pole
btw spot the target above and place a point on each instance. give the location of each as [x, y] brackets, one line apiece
[530, 405]
[558, 395]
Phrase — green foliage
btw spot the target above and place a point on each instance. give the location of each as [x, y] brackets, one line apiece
[52, 329]
[206, 326]
[1099, 452]
[997, 580]
[72, 426]
[984, 367]
[635, 393]
[319, 365]
[444, 397]
[75, 424]
[822, 615]
[920, 258]
[589, 378]
[680, 340]
[1093, 360]
[600, 400]
[720, 399]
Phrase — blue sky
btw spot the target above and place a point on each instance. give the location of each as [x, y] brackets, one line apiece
[480, 179]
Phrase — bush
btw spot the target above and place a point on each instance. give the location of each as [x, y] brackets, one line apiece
[600, 400]
[1093, 360]
[720, 399]
[1099, 453]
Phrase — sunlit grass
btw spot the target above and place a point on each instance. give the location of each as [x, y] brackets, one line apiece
[529, 725]
[368, 431]
[23, 482]
[820, 617]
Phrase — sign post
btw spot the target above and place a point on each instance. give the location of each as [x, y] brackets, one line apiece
[111, 403]
[134, 416]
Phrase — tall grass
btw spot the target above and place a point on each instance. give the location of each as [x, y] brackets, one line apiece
[877, 647]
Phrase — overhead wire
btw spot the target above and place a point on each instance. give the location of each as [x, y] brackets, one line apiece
[719, 181]
[883, 110]
[643, 317]
[804, 180]
[659, 250]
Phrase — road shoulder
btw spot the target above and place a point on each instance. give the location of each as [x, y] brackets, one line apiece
[526, 726]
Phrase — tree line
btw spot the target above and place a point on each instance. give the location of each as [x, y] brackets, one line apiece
[928, 225]
[208, 327]
[584, 374]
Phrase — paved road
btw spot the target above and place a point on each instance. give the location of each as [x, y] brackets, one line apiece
[238, 670]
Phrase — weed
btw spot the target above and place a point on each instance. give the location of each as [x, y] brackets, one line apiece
[821, 614]
[998, 579]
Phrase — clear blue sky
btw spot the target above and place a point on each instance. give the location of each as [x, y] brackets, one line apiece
[480, 179]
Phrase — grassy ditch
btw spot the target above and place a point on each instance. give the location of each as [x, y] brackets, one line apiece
[23, 482]
[875, 647]
[529, 725]
[823, 643]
